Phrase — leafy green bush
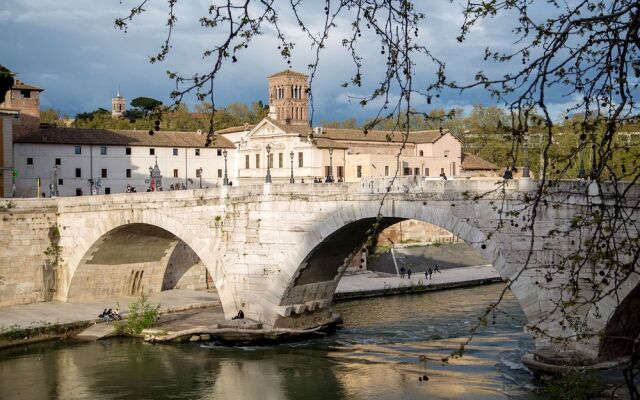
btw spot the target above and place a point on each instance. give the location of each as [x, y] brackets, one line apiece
[575, 384]
[142, 315]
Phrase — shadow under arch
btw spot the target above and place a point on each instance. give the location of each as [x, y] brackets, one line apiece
[622, 329]
[342, 232]
[126, 261]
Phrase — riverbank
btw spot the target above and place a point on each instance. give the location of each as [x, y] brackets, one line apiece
[35, 322]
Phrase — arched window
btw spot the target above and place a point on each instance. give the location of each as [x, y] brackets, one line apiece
[421, 153]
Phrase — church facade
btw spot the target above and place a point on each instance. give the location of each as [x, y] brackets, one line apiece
[284, 147]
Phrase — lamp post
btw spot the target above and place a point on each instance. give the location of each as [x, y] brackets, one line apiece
[594, 167]
[268, 178]
[581, 171]
[151, 187]
[55, 181]
[291, 180]
[225, 181]
[330, 164]
[200, 176]
[525, 147]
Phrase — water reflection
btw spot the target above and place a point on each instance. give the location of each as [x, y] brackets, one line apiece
[374, 357]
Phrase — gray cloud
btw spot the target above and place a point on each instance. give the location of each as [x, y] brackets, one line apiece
[71, 49]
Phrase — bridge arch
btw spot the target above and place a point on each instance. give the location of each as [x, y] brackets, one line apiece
[143, 243]
[344, 224]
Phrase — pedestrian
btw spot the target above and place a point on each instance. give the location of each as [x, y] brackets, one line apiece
[430, 272]
[302, 180]
[443, 176]
[436, 269]
[426, 274]
[409, 272]
[401, 272]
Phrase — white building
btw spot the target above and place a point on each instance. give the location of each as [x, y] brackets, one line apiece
[83, 161]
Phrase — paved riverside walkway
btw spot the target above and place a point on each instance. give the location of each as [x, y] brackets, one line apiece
[360, 284]
[60, 313]
[367, 283]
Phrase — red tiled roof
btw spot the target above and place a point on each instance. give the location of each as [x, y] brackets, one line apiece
[80, 136]
[473, 162]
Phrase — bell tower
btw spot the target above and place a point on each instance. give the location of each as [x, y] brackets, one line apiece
[118, 105]
[288, 97]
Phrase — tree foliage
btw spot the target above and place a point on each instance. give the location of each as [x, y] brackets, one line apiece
[6, 81]
[146, 105]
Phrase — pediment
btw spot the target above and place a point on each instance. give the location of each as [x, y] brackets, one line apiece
[265, 128]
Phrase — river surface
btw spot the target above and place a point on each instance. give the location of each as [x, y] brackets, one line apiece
[374, 356]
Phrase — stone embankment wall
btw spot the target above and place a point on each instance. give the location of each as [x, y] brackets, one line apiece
[29, 252]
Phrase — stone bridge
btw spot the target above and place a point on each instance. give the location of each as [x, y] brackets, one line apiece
[278, 251]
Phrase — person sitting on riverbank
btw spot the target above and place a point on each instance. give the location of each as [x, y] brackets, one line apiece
[239, 316]
[107, 315]
[116, 314]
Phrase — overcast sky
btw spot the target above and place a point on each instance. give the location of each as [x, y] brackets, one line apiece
[71, 49]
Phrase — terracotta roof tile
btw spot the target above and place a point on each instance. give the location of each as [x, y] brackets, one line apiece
[383, 136]
[114, 137]
[234, 129]
[287, 72]
[19, 85]
[473, 162]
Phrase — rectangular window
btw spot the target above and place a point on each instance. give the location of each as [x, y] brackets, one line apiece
[78, 192]
[257, 160]
[219, 173]
[406, 171]
[246, 161]
[442, 170]
[107, 190]
[77, 150]
[175, 173]
[128, 173]
[78, 172]
[58, 161]
[29, 161]
[270, 158]
[340, 171]
[104, 172]
[60, 182]
[127, 151]
[197, 152]
[152, 151]
[219, 152]
[198, 173]
[175, 152]
[386, 170]
[446, 153]
[280, 160]
[453, 169]
[327, 170]
[300, 159]
[25, 94]
[359, 171]
[416, 171]
[426, 172]
[103, 150]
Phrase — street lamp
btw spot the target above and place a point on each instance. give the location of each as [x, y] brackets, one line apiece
[55, 181]
[291, 180]
[268, 178]
[200, 176]
[525, 169]
[581, 171]
[330, 164]
[225, 181]
[151, 179]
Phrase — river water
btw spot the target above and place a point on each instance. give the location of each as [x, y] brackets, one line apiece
[374, 356]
